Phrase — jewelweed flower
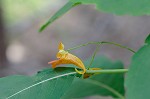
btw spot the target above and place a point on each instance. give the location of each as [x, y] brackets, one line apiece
[65, 57]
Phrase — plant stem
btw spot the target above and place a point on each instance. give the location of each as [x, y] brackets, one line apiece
[103, 42]
[94, 54]
[108, 71]
[115, 92]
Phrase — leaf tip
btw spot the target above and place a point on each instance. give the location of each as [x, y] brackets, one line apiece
[147, 40]
[41, 28]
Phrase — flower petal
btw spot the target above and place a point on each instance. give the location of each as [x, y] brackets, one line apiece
[54, 63]
[76, 61]
[61, 46]
[66, 58]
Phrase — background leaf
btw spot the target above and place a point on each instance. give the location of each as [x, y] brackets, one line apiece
[95, 84]
[52, 89]
[59, 13]
[138, 77]
[147, 40]
[120, 7]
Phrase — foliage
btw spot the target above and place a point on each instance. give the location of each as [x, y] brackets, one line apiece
[138, 77]
[121, 7]
[58, 14]
[53, 84]
[65, 83]
[103, 84]
[45, 84]
[147, 40]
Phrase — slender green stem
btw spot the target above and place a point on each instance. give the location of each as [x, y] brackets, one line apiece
[115, 92]
[108, 71]
[103, 42]
[94, 54]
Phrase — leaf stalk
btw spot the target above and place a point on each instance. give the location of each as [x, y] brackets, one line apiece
[108, 71]
[103, 42]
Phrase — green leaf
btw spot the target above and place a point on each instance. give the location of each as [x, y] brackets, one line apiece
[59, 13]
[120, 7]
[147, 40]
[138, 77]
[47, 84]
[102, 84]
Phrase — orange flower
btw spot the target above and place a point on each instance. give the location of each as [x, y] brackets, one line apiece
[66, 58]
